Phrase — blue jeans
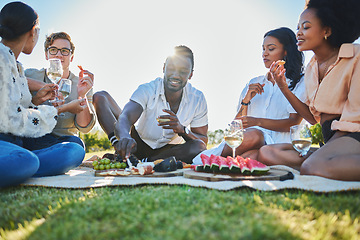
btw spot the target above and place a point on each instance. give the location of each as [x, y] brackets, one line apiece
[48, 140]
[18, 163]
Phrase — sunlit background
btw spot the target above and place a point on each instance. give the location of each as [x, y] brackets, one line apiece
[125, 43]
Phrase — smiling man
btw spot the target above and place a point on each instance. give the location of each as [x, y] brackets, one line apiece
[59, 45]
[155, 122]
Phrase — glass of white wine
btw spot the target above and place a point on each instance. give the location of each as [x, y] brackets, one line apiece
[160, 120]
[234, 135]
[301, 138]
[54, 72]
[65, 87]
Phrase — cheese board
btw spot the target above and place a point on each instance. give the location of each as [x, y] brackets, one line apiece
[123, 173]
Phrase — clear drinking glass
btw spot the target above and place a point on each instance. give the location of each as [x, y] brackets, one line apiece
[65, 87]
[161, 120]
[301, 138]
[234, 135]
[54, 73]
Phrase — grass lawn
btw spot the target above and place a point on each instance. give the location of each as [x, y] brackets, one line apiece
[176, 212]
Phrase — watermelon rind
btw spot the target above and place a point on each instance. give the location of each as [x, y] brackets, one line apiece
[199, 168]
[215, 167]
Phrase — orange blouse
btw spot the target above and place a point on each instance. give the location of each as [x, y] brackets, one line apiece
[339, 91]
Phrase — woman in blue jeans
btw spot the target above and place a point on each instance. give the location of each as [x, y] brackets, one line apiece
[22, 118]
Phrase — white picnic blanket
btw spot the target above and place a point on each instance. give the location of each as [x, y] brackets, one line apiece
[84, 177]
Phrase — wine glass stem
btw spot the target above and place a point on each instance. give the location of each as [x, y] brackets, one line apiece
[233, 152]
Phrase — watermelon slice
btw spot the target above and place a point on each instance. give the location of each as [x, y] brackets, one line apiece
[224, 165]
[215, 163]
[243, 166]
[206, 162]
[234, 165]
[256, 167]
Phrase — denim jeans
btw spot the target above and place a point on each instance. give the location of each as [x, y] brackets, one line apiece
[48, 140]
[18, 163]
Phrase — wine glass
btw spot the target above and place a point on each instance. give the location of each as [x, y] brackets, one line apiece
[301, 138]
[65, 87]
[54, 72]
[234, 135]
[160, 120]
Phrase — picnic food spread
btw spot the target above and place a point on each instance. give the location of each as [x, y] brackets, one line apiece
[114, 165]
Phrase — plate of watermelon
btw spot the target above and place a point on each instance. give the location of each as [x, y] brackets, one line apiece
[218, 168]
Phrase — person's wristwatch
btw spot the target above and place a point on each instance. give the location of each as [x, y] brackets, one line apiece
[187, 131]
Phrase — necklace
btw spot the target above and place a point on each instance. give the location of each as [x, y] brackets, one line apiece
[321, 77]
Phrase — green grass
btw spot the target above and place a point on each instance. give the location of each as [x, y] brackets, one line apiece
[176, 212]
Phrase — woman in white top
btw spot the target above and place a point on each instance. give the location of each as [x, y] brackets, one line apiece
[22, 118]
[266, 114]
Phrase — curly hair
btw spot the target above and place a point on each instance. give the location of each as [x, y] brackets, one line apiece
[342, 16]
[58, 35]
[294, 60]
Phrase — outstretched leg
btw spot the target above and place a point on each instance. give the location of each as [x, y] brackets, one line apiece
[107, 110]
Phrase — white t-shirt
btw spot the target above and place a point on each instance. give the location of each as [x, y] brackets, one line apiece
[192, 112]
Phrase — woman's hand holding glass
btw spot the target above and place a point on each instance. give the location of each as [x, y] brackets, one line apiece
[54, 72]
[47, 92]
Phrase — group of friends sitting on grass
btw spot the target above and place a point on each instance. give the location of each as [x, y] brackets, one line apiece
[169, 117]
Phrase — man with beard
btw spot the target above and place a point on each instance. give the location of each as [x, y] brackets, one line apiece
[155, 122]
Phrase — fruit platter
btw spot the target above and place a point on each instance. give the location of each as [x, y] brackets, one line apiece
[218, 168]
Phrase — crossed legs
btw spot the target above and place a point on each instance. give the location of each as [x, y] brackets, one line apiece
[338, 159]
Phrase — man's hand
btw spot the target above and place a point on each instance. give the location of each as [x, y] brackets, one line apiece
[125, 147]
[86, 82]
[47, 92]
[173, 124]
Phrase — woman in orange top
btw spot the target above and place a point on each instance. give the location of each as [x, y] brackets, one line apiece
[332, 80]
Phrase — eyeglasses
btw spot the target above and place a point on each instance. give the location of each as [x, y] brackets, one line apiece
[63, 51]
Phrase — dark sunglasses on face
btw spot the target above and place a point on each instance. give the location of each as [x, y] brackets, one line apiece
[63, 51]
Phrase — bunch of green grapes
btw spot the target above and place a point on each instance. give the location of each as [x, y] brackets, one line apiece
[105, 163]
[317, 136]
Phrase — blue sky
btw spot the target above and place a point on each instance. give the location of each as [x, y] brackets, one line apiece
[125, 43]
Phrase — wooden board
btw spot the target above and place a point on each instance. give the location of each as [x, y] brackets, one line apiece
[178, 172]
[273, 174]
